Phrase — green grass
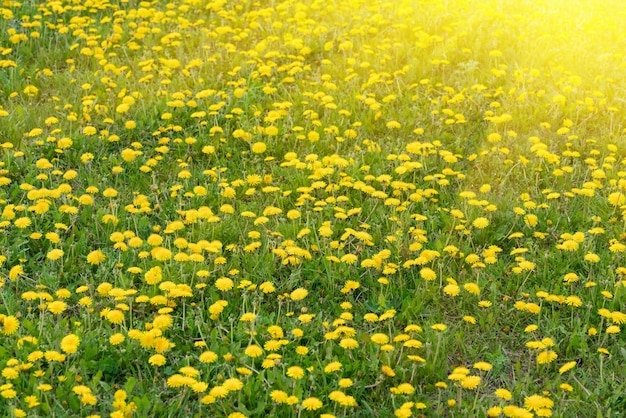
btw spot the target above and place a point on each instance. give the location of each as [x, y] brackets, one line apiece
[431, 173]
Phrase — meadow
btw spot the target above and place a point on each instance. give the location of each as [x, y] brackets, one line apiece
[307, 208]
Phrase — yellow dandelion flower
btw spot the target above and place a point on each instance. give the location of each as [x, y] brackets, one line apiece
[258, 147]
[295, 372]
[470, 382]
[253, 351]
[312, 404]
[224, 284]
[387, 371]
[494, 411]
[503, 394]
[380, 338]
[10, 324]
[345, 383]
[10, 373]
[293, 214]
[116, 339]
[403, 388]
[439, 327]
[115, 316]
[531, 328]
[233, 384]
[279, 396]
[472, 288]
[332, 367]
[157, 360]
[154, 275]
[536, 402]
[200, 387]
[403, 412]
[70, 343]
[22, 223]
[57, 307]
[348, 343]
[247, 317]
[546, 356]
[480, 223]
[483, 365]
[570, 277]
[208, 357]
[567, 366]
[55, 254]
[95, 257]
[16, 272]
[592, 258]
[31, 90]
[617, 199]
[428, 274]
[299, 294]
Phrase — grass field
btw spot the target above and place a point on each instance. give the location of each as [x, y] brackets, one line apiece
[354, 208]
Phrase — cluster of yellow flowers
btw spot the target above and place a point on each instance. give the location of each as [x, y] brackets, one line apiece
[286, 208]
